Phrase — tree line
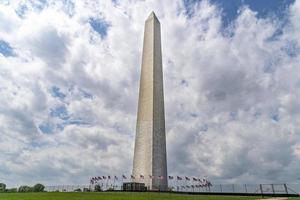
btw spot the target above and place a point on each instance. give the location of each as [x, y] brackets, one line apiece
[23, 188]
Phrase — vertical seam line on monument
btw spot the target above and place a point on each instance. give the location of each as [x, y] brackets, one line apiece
[153, 95]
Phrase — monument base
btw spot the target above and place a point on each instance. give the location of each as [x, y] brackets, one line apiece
[134, 186]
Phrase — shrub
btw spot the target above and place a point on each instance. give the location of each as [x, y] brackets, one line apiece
[110, 189]
[12, 190]
[77, 190]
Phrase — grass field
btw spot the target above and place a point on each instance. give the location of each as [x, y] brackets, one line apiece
[113, 196]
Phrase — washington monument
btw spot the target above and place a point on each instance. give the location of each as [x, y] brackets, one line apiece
[150, 160]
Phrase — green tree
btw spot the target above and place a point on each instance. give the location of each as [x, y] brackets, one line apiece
[98, 188]
[2, 187]
[25, 188]
[38, 188]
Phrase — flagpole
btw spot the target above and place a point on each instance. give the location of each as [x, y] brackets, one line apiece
[114, 183]
[90, 187]
[122, 183]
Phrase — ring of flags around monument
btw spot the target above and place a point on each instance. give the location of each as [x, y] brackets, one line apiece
[189, 182]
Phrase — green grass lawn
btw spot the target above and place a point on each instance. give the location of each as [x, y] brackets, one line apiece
[112, 196]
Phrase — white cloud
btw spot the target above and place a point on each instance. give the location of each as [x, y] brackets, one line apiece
[231, 95]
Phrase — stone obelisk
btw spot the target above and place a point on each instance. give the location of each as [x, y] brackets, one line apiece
[150, 159]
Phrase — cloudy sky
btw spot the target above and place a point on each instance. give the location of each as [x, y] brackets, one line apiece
[69, 76]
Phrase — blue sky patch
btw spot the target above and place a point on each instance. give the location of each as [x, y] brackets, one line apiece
[275, 117]
[39, 4]
[67, 122]
[77, 122]
[116, 2]
[230, 8]
[291, 48]
[100, 26]
[36, 144]
[21, 10]
[25, 6]
[5, 49]
[46, 128]
[60, 112]
[55, 92]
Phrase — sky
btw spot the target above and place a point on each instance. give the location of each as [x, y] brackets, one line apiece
[69, 77]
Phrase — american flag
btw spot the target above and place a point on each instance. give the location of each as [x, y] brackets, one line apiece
[124, 177]
[179, 178]
[170, 177]
[187, 178]
[141, 176]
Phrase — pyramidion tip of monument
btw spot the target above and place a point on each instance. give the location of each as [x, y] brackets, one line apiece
[152, 15]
